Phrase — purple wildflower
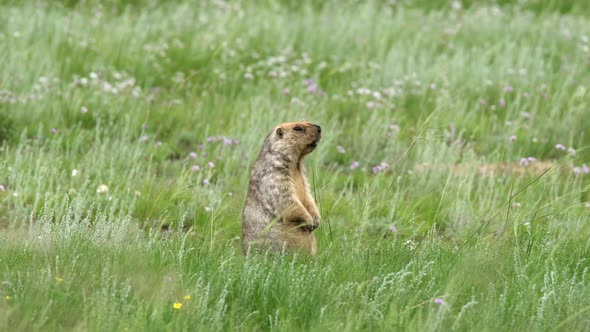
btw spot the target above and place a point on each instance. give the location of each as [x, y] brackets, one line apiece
[295, 101]
[439, 301]
[560, 146]
[144, 126]
[286, 91]
[523, 162]
[508, 88]
[210, 164]
[393, 229]
[531, 159]
[354, 165]
[249, 76]
[206, 182]
[193, 155]
[340, 149]
[227, 141]
[571, 151]
[512, 138]
[502, 102]
[371, 105]
[585, 169]
[211, 139]
[53, 131]
[526, 115]
[577, 170]
[376, 169]
[309, 82]
[144, 138]
[196, 168]
[312, 89]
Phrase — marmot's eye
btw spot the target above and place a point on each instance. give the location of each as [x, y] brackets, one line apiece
[298, 128]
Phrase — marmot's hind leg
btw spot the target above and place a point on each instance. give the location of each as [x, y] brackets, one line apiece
[301, 239]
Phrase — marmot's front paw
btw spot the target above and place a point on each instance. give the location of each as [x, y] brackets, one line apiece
[315, 223]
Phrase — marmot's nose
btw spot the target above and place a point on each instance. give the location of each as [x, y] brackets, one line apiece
[318, 127]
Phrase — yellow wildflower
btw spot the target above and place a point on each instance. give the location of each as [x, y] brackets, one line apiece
[177, 305]
[59, 280]
[8, 297]
[187, 297]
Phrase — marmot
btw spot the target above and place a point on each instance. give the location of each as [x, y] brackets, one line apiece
[280, 213]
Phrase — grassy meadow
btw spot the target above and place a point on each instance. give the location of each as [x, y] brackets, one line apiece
[452, 176]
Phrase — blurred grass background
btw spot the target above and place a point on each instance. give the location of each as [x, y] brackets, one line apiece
[452, 177]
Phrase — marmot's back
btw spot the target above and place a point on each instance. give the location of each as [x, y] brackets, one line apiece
[280, 212]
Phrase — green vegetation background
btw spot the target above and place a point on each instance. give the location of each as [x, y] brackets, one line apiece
[452, 176]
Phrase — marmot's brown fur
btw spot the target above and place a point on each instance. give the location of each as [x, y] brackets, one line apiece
[280, 213]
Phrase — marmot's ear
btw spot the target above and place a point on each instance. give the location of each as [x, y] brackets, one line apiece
[280, 132]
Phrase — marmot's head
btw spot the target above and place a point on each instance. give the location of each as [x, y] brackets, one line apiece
[296, 138]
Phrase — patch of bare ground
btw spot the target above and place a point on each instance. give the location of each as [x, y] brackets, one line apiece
[492, 169]
[4, 223]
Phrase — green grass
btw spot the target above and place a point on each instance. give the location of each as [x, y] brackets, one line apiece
[122, 94]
